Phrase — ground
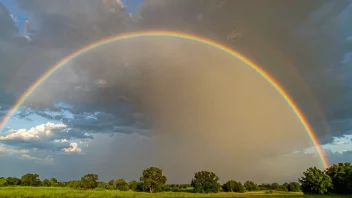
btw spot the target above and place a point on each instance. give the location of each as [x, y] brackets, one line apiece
[51, 192]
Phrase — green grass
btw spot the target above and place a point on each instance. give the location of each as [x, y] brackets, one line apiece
[53, 192]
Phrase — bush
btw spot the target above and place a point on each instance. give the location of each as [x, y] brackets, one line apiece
[233, 186]
[3, 182]
[205, 182]
[133, 185]
[251, 186]
[13, 181]
[294, 187]
[121, 185]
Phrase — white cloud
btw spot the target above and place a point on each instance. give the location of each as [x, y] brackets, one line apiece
[339, 142]
[44, 130]
[73, 149]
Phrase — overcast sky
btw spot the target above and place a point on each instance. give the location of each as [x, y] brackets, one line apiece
[173, 103]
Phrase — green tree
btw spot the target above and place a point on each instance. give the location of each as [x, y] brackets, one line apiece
[153, 178]
[121, 185]
[275, 186]
[285, 185]
[30, 180]
[315, 181]
[89, 181]
[283, 188]
[13, 181]
[205, 182]
[233, 186]
[3, 182]
[54, 182]
[294, 187]
[133, 185]
[45, 182]
[251, 186]
[74, 184]
[265, 186]
[111, 182]
[341, 176]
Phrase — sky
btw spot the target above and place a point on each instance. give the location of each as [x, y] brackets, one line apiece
[176, 104]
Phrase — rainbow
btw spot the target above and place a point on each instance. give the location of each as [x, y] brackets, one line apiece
[181, 35]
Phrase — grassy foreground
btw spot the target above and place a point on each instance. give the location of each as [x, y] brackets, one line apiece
[51, 192]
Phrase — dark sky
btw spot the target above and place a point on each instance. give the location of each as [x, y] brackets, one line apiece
[176, 104]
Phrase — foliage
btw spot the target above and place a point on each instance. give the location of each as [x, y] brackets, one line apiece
[13, 181]
[275, 186]
[153, 178]
[54, 182]
[2, 182]
[251, 186]
[74, 184]
[294, 187]
[121, 184]
[233, 186]
[205, 182]
[89, 181]
[30, 180]
[141, 187]
[341, 176]
[265, 186]
[133, 185]
[45, 182]
[315, 181]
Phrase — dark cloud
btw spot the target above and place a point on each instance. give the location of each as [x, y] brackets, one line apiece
[196, 101]
[336, 158]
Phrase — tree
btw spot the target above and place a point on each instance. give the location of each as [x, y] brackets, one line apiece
[13, 181]
[251, 186]
[54, 182]
[283, 188]
[153, 178]
[265, 186]
[275, 186]
[74, 184]
[294, 187]
[45, 182]
[89, 181]
[111, 182]
[133, 185]
[2, 182]
[30, 180]
[205, 182]
[121, 185]
[233, 186]
[315, 181]
[341, 176]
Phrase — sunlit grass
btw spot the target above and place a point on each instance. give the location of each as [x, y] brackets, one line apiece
[51, 192]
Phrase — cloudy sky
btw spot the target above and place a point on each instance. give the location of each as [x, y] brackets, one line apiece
[172, 103]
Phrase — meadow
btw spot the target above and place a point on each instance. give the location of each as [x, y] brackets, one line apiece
[64, 192]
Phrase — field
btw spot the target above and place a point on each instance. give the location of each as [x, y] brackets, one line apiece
[51, 192]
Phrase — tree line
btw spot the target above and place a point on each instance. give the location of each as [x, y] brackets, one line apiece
[335, 179]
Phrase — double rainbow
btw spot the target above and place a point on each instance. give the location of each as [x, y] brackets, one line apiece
[120, 37]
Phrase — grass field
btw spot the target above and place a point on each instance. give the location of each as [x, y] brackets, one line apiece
[51, 192]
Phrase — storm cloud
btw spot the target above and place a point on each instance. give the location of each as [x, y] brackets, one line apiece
[201, 106]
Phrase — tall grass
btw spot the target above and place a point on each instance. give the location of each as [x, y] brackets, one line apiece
[57, 192]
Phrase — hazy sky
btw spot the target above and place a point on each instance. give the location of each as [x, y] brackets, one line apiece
[177, 104]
